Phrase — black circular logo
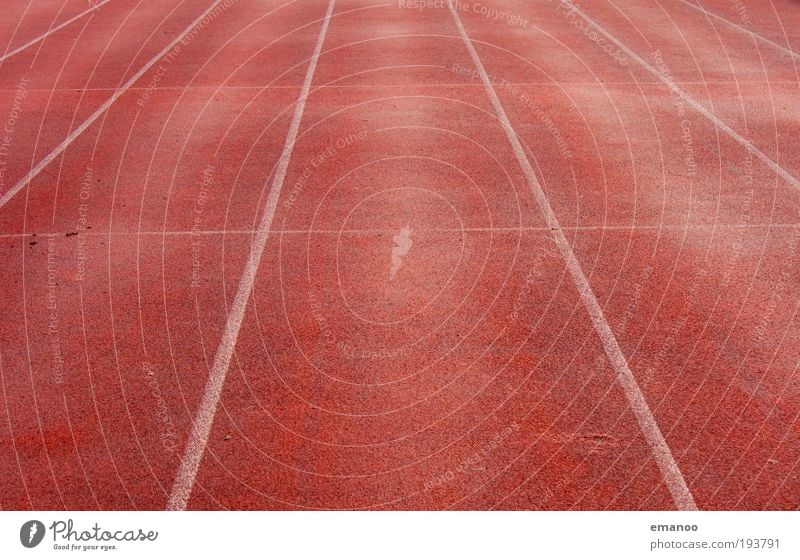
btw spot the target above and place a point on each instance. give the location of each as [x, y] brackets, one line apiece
[31, 533]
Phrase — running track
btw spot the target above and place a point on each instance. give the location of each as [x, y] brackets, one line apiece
[350, 254]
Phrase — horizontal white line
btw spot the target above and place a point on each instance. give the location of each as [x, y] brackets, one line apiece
[414, 84]
[51, 31]
[656, 227]
[204, 418]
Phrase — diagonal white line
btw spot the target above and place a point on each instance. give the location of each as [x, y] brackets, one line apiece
[788, 177]
[51, 31]
[666, 462]
[58, 150]
[198, 439]
[753, 34]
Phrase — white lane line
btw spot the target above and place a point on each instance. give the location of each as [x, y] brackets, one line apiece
[788, 51]
[51, 31]
[58, 150]
[666, 462]
[198, 439]
[789, 178]
[407, 85]
[515, 229]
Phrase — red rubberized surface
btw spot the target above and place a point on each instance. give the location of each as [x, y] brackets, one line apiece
[415, 337]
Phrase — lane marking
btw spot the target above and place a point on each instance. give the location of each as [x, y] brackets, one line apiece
[51, 31]
[11, 435]
[663, 456]
[198, 439]
[409, 85]
[402, 245]
[753, 34]
[518, 229]
[58, 150]
[788, 177]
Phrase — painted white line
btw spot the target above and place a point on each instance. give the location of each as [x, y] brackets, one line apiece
[198, 439]
[51, 31]
[663, 456]
[516, 229]
[788, 51]
[58, 150]
[789, 178]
